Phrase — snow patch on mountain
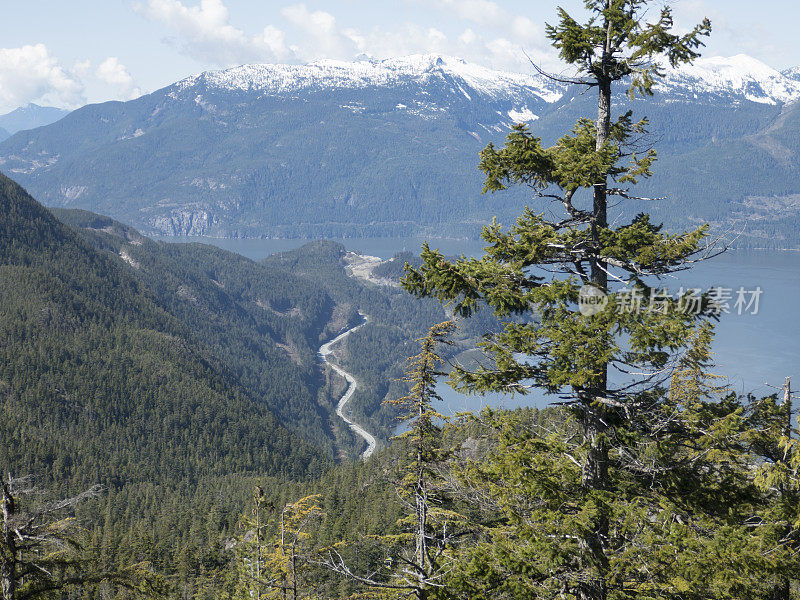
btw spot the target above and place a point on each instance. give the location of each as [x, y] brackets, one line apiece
[331, 74]
[524, 115]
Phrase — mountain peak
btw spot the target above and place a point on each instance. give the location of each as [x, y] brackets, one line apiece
[793, 73]
[739, 75]
[30, 116]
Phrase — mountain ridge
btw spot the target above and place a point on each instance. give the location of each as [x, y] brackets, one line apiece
[739, 76]
[30, 116]
[284, 78]
[736, 75]
[386, 148]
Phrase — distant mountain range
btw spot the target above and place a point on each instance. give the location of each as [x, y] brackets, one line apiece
[384, 148]
[29, 117]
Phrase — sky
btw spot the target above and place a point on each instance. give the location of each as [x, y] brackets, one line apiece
[68, 54]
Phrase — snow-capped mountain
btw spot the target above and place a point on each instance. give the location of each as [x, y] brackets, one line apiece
[421, 85]
[736, 78]
[386, 147]
[420, 69]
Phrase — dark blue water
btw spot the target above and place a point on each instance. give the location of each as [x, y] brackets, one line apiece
[751, 350]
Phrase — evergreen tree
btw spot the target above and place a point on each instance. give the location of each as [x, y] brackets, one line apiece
[606, 360]
[776, 525]
[274, 567]
[678, 499]
[420, 555]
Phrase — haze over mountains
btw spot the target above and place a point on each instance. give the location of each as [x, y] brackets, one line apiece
[385, 148]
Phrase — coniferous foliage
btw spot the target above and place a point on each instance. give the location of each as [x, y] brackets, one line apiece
[41, 551]
[273, 560]
[419, 556]
[607, 363]
[263, 324]
[101, 383]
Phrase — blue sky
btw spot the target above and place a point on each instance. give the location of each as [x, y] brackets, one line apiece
[70, 53]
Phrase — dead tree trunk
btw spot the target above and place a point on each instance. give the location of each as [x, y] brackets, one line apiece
[782, 586]
[8, 551]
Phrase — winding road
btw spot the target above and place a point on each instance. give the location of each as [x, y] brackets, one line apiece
[325, 351]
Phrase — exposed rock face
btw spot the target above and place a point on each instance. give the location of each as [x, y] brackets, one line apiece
[183, 222]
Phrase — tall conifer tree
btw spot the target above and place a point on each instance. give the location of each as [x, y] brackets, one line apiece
[606, 360]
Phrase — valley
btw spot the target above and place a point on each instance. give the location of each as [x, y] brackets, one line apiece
[321, 311]
[325, 352]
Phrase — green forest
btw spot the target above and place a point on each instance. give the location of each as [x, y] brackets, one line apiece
[168, 429]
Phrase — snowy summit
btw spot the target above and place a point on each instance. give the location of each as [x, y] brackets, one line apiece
[737, 76]
[418, 69]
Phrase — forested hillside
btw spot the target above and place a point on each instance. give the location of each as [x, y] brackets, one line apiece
[178, 422]
[266, 320]
[102, 384]
[264, 325]
[176, 375]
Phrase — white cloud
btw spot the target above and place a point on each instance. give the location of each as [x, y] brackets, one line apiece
[468, 37]
[407, 39]
[202, 29]
[116, 77]
[206, 34]
[730, 35]
[32, 74]
[483, 12]
[322, 37]
[274, 39]
[495, 20]
[689, 13]
[526, 30]
[507, 40]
